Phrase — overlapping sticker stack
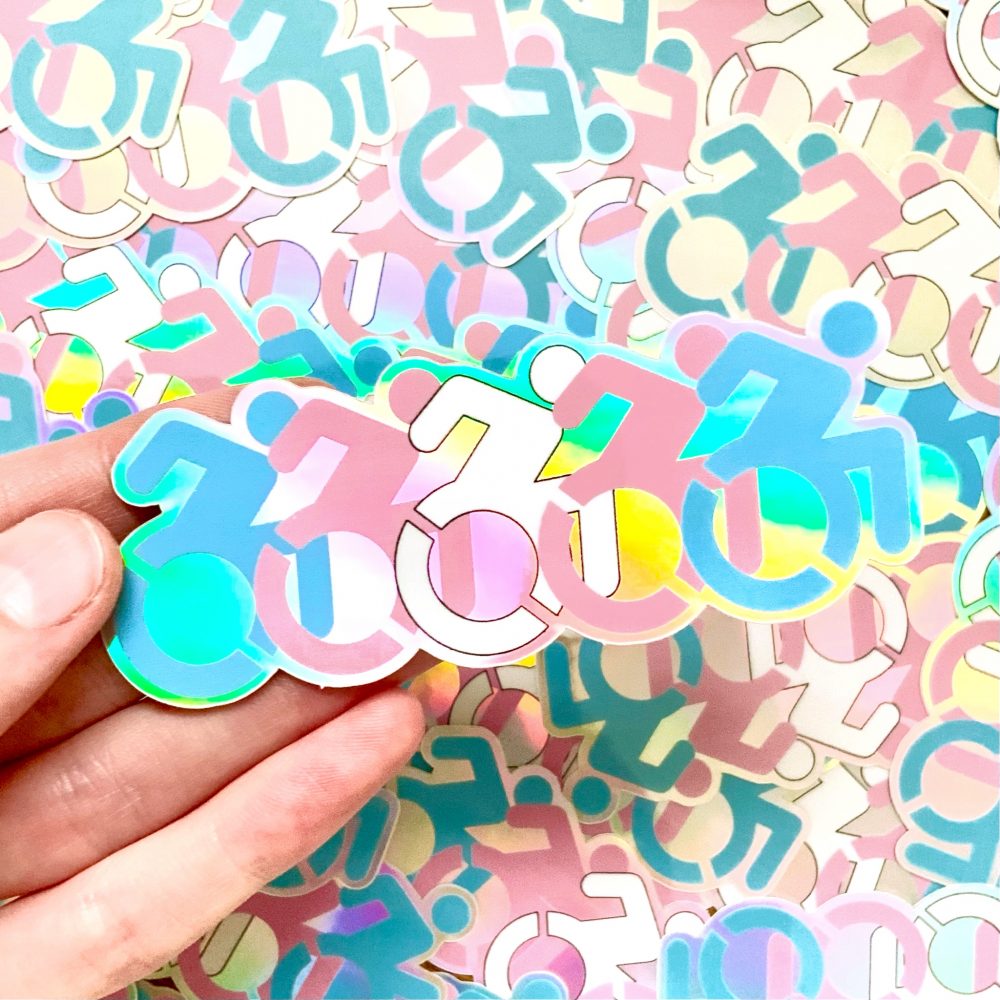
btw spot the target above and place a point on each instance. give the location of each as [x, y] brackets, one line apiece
[660, 346]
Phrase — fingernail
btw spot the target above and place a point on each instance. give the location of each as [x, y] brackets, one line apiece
[51, 566]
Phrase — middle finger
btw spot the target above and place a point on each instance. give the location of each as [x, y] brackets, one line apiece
[90, 689]
[139, 769]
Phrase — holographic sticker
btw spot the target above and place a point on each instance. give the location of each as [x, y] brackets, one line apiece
[403, 551]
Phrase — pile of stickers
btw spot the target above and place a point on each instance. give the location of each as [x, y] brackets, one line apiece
[649, 356]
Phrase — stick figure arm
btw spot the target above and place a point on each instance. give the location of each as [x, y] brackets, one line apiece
[550, 83]
[361, 60]
[247, 17]
[825, 174]
[779, 7]
[928, 203]
[440, 416]
[174, 441]
[480, 757]
[565, 711]
[744, 138]
[744, 354]
[598, 378]
[300, 435]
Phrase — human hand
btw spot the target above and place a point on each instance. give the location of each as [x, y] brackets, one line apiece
[131, 828]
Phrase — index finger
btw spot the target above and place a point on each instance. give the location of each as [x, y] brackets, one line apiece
[74, 473]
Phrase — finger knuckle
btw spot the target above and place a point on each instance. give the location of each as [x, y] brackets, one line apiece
[110, 938]
[89, 786]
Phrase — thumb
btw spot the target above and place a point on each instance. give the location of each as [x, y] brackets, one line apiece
[60, 572]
